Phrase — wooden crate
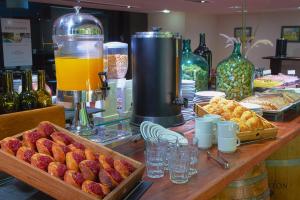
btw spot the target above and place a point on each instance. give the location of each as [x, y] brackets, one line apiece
[58, 188]
[13, 123]
[246, 135]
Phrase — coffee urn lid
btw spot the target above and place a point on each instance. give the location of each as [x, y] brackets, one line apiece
[156, 33]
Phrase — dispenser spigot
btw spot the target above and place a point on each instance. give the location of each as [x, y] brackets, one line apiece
[104, 89]
[181, 102]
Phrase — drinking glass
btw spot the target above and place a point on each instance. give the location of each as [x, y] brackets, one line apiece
[179, 165]
[154, 163]
[155, 157]
[170, 142]
[193, 159]
[194, 153]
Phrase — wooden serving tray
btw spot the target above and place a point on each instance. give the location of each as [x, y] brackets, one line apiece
[13, 123]
[246, 135]
[58, 188]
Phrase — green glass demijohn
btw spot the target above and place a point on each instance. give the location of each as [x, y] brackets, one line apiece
[194, 67]
[235, 75]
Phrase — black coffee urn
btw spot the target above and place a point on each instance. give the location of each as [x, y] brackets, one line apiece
[156, 71]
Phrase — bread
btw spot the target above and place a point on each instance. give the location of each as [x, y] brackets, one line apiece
[275, 100]
[233, 111]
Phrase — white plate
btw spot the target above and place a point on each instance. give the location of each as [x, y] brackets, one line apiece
[155, 131]
[144, 128]
[187, 82]
[181, 138]
[251, 106]
[210, 94]
[152, 130]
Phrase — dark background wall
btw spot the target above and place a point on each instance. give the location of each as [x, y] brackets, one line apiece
[118, 26]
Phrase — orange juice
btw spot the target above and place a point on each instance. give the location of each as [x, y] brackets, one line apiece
[78, 73]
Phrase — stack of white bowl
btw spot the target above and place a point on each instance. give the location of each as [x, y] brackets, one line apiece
[206, 96]
[188, 89]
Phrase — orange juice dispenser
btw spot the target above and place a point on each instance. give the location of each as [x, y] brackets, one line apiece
[78, 45]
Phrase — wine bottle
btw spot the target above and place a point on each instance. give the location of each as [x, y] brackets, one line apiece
[203, 50]
[9, 100]
[43, 97]
[28, 98]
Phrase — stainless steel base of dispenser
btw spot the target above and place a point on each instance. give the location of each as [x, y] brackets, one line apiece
[167, 121]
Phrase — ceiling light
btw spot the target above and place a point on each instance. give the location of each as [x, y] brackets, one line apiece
[166, 11]
[298, 7]
[245, 11]
[199, 1]
[235, 7]
[128, 6]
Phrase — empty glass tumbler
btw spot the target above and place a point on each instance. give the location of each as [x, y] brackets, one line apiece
[155, 157]
[170, 142]
[179, 165]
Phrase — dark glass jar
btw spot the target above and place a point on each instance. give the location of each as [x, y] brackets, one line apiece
[205, 52]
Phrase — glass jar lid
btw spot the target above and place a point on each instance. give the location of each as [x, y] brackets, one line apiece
[116, 45]
[77, 25]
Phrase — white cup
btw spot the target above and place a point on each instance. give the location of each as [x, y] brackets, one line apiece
[227, 129]
[204, 141]
[228, 145]
[215, 119]
[203, 126]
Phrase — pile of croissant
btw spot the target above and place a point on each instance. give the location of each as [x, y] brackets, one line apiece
[233, 111]
[58, 154]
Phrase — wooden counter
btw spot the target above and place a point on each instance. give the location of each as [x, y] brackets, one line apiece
[211, 178]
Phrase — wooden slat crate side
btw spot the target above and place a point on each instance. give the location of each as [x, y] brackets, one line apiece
[13, 123]
[58, 188]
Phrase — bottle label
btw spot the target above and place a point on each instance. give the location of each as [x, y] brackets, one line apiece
[267, 72]
[291, 72]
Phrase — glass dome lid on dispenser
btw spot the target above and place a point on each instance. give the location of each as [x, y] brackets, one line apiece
[235, 75]
[78, 45]
[194, 67]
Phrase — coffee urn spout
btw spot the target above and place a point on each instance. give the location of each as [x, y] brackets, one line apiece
[181, 102]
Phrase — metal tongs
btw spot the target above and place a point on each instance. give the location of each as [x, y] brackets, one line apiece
[219, 159]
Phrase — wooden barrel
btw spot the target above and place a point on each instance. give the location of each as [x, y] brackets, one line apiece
[284, 172]
[251, 186]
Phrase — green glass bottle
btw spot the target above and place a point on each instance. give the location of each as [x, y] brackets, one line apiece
[194, 67]
[235, 75]
[43, 97]
[28, 98]
[9, 100]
